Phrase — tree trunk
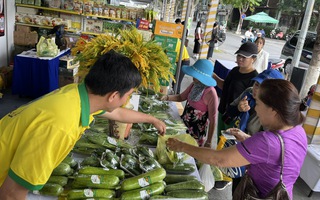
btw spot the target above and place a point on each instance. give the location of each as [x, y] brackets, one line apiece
[314, 67]
[239, 25]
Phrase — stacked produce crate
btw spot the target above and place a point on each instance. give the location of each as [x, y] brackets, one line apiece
[68, 70]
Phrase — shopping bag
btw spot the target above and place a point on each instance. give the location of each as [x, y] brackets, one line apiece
[164, 155]
[47, 47]
[207, 177]
[232, 172]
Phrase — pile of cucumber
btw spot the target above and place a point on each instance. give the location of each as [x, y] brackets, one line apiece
[59, 178]
[114, 169]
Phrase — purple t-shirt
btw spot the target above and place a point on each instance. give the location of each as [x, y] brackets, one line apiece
[263, 151]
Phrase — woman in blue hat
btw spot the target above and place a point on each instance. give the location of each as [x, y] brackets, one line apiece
[201, 107]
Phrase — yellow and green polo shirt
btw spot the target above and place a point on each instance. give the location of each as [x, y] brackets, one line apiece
[185, 54]
[36, 137]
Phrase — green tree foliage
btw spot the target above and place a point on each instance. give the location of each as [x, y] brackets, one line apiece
[243, 6]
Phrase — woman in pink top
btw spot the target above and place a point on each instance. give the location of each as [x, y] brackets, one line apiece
[200, 112]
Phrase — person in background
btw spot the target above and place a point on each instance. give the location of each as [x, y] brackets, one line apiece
[244, 107]
[187, 30]
[177, 21]
[238, 79]
[185, 60]
[263, 33]
[249, 35]
[201, 108]
[261, 152]
[262, 59]
[197, 40]
[213, 40]
[35, 138]
[186, 42]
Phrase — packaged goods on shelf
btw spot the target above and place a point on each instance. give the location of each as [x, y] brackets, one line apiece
[94, 25]
[67, 5]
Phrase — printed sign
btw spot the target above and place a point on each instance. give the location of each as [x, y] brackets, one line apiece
[143, 24]
[168, 29]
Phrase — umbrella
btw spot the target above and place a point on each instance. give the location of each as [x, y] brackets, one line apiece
[261, 17]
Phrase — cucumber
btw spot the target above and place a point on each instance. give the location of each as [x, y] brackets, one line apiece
[101, 171]
[176, 178]
[95, 181]
[61, 169]
[61, 180]
[193, 185]
[91, 161]
[196, 194]
[87, 193]
[70, 161]
[51, 189]
[184, 168]
[143, 193]
[144, 179]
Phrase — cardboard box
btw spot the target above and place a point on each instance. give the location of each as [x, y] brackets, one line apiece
[168, 29]
[161, 41]
[172, 55]
[70, 41]
[68, 62]
[18, 37]
[68, 72]
[171, 43]
[31, 38]
[21, 28]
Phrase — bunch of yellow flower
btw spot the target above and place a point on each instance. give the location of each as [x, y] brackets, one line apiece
[147, 56]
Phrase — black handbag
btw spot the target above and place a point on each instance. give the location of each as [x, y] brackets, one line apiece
[246, 190]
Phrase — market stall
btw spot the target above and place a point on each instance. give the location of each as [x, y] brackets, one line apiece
[128, 159]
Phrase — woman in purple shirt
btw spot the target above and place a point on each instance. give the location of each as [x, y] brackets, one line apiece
[278, 107]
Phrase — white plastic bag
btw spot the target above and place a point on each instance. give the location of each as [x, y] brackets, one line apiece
[207, 177]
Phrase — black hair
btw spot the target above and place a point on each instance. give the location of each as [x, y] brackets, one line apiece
[283, 97]
[198, 23]
[112, 72]
[178, 20]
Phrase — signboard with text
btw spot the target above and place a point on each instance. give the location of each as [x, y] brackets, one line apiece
[143, 24]
[168, 29]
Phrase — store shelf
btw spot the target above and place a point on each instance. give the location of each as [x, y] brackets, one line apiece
[46, 8]
[105, 17]
[34, 25]
[48, 27]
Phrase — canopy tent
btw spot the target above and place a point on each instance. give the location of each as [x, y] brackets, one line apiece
[261, 17]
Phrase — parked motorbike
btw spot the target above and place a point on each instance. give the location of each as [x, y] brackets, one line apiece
[276, 34]
[273, 34]
[276, 63]
[279, 35]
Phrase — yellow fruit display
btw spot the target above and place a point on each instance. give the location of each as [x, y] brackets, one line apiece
[147, 56]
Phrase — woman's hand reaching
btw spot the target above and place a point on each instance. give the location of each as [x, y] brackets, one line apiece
[174, 145]
[240, 135]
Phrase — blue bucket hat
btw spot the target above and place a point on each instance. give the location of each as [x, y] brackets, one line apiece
[268, 74]
[202, 70]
